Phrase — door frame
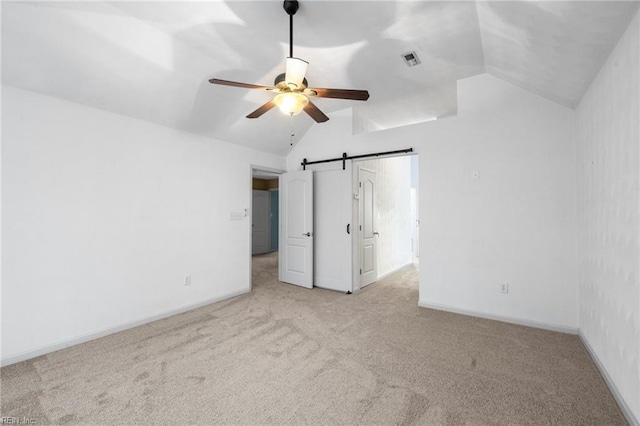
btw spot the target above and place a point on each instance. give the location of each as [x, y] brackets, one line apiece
[253, 168]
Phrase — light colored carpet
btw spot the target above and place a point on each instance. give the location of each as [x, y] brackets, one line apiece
[287, 355]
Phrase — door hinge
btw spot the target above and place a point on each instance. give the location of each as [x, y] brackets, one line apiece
[360, 227]
[360, 184]
[360, 271]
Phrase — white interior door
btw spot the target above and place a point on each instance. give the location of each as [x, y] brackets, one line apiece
[333, 212]
[260, 222]
[296, 228]
[368, 234]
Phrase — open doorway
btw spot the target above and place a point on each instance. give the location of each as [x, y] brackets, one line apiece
[264, 222]
[387, 216]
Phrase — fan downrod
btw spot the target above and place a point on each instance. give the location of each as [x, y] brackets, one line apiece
[291, 6]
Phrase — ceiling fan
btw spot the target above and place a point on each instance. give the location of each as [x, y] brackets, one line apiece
[293, 91]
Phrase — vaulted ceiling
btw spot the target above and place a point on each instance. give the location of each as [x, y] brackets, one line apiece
[152, 60]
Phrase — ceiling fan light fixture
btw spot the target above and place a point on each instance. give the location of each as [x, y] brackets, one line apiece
[292, 86]
[291, 103]
[295, 71]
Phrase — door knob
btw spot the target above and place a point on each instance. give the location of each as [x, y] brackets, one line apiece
[308, 234]
[376, 233]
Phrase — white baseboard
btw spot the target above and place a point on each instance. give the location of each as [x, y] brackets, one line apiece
[512, 320]
[631, 418]
[91, 336]
[393, 271]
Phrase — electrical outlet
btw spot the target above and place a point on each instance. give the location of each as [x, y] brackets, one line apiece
[187, 280]
[503, 287]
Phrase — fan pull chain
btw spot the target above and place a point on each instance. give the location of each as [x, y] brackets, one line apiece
[293, 133]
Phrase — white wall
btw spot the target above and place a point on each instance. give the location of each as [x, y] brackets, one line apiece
[103, 216]
[393, 211]
[608, 136]
[517, 223]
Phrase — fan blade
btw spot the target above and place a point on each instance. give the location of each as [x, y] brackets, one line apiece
[315, 113]
[236, 84]
[356, 95]
[264, 108]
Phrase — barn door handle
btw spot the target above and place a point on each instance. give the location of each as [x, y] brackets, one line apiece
[348, 228]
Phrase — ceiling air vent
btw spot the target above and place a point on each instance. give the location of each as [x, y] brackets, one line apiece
[411, 59]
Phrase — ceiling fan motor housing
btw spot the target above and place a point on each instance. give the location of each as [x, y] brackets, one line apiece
[281, 84]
